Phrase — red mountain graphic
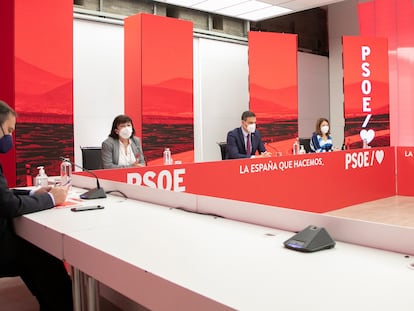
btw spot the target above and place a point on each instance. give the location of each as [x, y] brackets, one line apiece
[42, 96]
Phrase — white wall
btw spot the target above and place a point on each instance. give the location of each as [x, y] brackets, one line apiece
[220, 87]
[221, 93]
[313, 91]
[342, 21]
[98, 79]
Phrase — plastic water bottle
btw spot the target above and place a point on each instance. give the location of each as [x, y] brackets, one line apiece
[167, 156]
[66, 172]
[365, 144]
[41, 179]
[296, 146]
[302, 149]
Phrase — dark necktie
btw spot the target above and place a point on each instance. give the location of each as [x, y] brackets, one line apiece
[248, 145]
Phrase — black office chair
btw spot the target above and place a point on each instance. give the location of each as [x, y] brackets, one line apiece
[222, 146]
[91, 158]
[306, 144]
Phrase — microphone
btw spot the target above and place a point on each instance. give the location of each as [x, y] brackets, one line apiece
[95, 193]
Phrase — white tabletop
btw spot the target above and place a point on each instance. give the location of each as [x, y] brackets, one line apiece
[163, 256]
[169, 259]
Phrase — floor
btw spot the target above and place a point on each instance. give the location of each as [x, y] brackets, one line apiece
[14, 296]
[396, 210]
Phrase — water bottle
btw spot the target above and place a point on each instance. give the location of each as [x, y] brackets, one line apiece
[302, 149]
[167, 156]
[296, 146]
[41, 179]
[66, 172]
[365, 144]
[29, 178]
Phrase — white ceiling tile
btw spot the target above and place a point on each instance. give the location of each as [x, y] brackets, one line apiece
[265, 13]
[185, 3]
[214, 5]
[243, 8]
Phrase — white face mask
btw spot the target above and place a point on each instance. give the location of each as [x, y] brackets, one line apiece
[251, 128]
[125, 132]
[325, 129]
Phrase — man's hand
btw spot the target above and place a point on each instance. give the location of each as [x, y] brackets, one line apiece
[265, 154]
[59, 194]
[43, 190]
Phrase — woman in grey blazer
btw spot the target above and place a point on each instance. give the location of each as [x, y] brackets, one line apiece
[122, 148]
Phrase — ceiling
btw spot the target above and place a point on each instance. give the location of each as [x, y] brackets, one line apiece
[252, 10]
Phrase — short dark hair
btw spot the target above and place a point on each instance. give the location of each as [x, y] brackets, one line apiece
[247, 114]
[5, 111]
[122, 118]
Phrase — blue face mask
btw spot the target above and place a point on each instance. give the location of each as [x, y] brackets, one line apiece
[6, 142]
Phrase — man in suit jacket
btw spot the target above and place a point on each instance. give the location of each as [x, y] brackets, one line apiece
[45, 275]
[244, 141]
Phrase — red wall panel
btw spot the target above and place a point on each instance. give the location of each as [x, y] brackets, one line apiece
[394, 20]
[273, 87]
[159, 84]
[41, 66]
[7, 77]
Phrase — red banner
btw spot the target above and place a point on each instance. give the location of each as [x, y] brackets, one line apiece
[310, 182]
[37, 81]
[405, 171]
[273, 87]
[366, 91]
[159, 84]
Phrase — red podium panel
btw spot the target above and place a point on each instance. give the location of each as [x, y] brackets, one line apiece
[311, 182]
[405, 171]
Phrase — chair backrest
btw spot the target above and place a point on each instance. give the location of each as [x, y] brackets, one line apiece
[91, 158]
[222, 146]
[306, 144]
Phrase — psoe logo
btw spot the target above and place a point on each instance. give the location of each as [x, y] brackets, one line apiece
[163, 180]
[363, 158]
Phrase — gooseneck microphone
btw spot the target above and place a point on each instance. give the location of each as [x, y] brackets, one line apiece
[95, 193]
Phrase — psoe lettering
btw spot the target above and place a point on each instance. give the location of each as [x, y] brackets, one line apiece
[166, 180]
[357, 160]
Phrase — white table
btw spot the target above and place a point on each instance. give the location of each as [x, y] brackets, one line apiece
[168, 259]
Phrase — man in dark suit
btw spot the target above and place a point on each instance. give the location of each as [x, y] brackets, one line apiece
[44, 274]
[244, 141]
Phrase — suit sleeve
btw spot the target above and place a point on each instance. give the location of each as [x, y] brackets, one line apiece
[261, 146]
[15, 203]
[106, 154]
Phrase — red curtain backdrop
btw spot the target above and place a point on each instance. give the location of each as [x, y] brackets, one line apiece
[366, 91]
[37, 42]
[159, 84]
[394, 20]
[273, 87]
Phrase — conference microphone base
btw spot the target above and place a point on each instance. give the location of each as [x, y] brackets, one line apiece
[96, 193]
